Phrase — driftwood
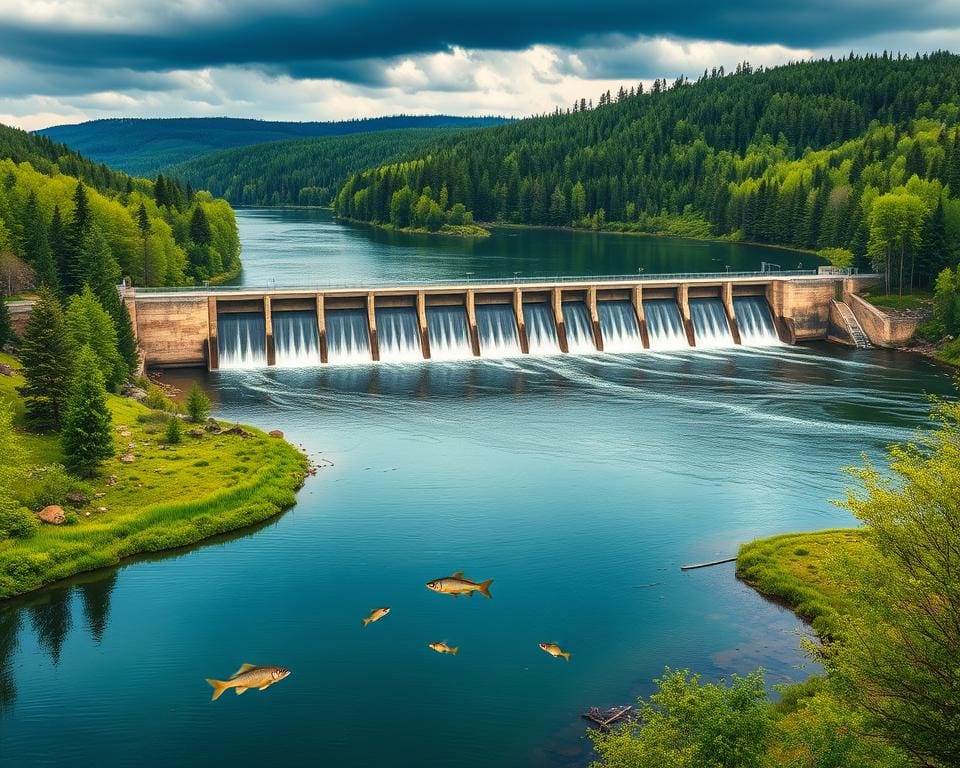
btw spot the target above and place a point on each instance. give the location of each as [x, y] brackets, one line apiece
[604, 718]
[707, 565]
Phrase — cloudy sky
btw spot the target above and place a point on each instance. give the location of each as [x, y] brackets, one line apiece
[65, 61]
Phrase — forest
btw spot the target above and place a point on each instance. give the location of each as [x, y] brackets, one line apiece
[299, 171]
[56, 225]
[147, 146]
[859, 157]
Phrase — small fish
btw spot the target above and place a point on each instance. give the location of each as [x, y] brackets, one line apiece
[249, 676]
[555, 650]
[443, 648]
[375, 615]
[457, 585]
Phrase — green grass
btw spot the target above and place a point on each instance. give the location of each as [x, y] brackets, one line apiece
[950, 352]
[790, 568]
[907, 301]
[167, 498]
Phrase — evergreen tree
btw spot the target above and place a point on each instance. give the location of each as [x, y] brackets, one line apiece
[198, 404]
[200, 232]
[57, 239]
[72, 277]
[6, 328]
[35, 245]
[87, 438]
[90, 325]
[47, 358]
[174, 430]
[934, 252]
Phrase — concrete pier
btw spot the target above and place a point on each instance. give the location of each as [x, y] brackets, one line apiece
[180, 328]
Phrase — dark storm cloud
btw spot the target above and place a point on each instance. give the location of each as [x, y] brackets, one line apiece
[341, 39]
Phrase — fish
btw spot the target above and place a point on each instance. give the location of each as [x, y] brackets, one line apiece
[457, 585]
[248, 676]
[443, 648]
[375, 615]
[555, 650]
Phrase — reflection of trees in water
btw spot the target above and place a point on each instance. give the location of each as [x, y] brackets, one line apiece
[51, 621]
[96, 603]
[9, 628]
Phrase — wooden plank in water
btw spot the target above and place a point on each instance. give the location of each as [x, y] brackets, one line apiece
[707, 565]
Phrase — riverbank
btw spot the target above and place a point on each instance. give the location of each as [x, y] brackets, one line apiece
[219, 478]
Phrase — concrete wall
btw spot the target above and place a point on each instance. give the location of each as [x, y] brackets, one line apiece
[882, 329]
[19, 314]
[804, 305]
[173, 331]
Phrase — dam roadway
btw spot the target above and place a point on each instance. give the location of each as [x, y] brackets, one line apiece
[224, 327]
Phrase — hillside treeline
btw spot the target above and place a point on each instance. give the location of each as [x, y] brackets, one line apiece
[860, 154]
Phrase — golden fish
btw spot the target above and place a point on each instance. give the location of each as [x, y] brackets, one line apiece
[443, 648]
[375, 615]
[457, 585]
[555, 650]
[249, 676]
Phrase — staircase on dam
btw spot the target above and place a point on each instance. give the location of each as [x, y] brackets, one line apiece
[860, 338]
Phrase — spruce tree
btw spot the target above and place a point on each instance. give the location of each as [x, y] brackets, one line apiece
[198, 404]
[72, 278]
[47, 358]
[200, 231]
[35, 245]
[57, 238]
[90, 325]
[6, 328]
[87, 439]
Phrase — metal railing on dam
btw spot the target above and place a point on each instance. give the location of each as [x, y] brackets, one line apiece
[469, 280]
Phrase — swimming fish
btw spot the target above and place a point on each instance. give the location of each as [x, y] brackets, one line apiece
[443, 648]
[555, 650]
[375, 615]
[457, 585]
[249, 676]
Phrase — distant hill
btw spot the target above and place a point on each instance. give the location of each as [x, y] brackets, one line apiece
[143, 146]
[299, 171]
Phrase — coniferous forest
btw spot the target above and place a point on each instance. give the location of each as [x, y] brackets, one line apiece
[860, 156]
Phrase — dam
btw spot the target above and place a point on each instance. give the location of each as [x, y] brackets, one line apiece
[227, 328]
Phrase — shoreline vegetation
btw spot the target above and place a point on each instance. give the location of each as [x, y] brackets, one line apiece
[155, 494]
[445, 230]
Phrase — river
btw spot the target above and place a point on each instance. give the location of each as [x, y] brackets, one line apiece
[580, 484]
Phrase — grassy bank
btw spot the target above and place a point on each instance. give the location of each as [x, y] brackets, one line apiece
[447, 230]
[208, 484]
[789, 569]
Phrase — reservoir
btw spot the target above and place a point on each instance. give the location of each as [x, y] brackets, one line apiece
[579, 483]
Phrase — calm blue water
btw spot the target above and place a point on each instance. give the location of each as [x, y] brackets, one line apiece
[579, 484]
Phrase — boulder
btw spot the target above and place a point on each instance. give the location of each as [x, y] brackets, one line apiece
[136, 393]
[128, 458]
[196, 433]
[112, 480]
[53, 515]
[5, 370]
[237, 430]
[276, 433]
[77, 498]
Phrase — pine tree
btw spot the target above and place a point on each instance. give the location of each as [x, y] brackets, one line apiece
[174, 430]
[35, 245]
[57, 238]
[6, 327]
[934, 252]
[200, 231]
[90, 325]
[72, 277]
[198, 404]
[47, 358]
[87, 439]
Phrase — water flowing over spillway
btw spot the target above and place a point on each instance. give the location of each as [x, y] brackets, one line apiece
[497, 330]
[348, 336]
[295, 339]
[398, 334]
[541, 329]
[710, 326]
[664, 324]
[755, 321]
[577, 322]
[242, 340]
[619, 327]
[448, 333]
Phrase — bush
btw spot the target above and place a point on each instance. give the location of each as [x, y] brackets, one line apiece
[157, 399]
[198, 404]
[16, 522]
[174, 431]
[50, 485]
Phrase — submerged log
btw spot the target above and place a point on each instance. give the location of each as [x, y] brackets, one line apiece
[707, 565]
[604, 718]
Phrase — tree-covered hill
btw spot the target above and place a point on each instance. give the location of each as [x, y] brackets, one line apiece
[299, 171]
[147, 146]
[861, 154]
[66, 221]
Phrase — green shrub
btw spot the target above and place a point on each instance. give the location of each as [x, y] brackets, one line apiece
[801, 551]
[174, 432]
[50, 485]
[198, 404]
[16, 522]
[157, 400]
